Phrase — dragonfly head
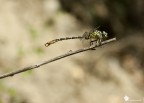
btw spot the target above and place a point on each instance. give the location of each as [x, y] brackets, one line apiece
[105, 34]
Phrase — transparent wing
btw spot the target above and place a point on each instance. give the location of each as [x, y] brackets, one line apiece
[93, 30]
[85, 39]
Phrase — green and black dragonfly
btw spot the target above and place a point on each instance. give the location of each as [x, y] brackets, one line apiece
[95, 36]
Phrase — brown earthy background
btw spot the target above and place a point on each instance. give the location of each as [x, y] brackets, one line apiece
[105, 75]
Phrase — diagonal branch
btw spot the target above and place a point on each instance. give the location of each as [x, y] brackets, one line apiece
[54, 59]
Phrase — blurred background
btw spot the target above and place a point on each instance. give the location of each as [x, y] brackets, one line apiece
[107, 75]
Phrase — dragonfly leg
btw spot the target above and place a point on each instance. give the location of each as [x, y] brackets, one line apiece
[99, 42]
[93, 43]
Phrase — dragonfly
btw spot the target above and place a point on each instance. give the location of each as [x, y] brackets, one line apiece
[95, 36]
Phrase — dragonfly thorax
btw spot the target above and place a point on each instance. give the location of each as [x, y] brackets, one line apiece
[96, 35]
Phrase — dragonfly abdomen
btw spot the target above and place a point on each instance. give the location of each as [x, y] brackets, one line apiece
[60, 39]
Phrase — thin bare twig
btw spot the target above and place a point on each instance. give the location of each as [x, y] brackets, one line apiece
[53, 59]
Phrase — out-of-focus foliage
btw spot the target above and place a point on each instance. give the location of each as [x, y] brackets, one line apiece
[10, 95]
[115, 16]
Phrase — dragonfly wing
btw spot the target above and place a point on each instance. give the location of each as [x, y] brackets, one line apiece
[85, 35]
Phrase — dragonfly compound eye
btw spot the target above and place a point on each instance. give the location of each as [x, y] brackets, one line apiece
[105, 34]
